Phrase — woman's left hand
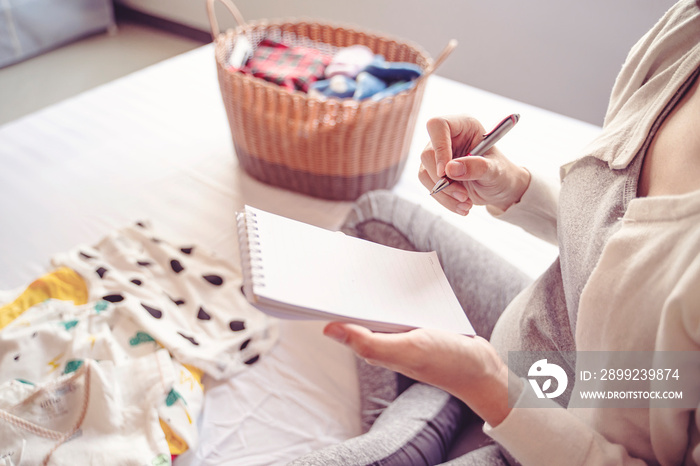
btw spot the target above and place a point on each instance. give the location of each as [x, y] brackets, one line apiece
[467, 367]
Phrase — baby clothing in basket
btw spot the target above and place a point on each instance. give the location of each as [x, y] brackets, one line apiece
[351, 72]
[294, 68]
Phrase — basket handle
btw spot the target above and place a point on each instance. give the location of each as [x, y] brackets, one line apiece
[440, 59]
[212, 16]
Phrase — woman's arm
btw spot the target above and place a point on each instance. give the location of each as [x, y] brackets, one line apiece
[467, 367]
[470, 369]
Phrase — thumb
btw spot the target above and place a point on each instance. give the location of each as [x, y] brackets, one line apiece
[470, 168]
[376, 348]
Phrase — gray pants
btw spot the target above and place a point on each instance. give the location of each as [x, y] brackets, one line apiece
[412, 423]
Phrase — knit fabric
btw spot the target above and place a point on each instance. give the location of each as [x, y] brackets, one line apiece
[420, 426]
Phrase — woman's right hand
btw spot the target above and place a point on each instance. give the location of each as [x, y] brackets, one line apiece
[488, 180]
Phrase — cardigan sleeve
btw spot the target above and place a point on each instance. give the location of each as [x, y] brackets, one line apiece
[536, 212]
[545, 433]
[539, 431]
[675, 433]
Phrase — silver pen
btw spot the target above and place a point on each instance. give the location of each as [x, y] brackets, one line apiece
[489, 139]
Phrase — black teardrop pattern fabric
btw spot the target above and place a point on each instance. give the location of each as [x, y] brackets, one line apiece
[176, 266]
[157, 313]
[203, 315]
[113, 298]
[236, 325]
[187, 299]
[215, 280]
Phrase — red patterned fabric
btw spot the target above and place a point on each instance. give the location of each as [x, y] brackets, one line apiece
[293, 68]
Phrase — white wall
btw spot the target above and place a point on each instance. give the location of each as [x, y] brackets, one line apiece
[562, 55]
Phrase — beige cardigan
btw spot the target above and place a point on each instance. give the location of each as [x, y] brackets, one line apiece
[627, 304]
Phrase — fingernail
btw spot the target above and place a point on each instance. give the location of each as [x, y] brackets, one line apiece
[455, 169]
[440, 168]
[460, 196]
[336, 332]
[463, 208]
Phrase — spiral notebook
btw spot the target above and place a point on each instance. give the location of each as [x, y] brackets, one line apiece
[292, 270]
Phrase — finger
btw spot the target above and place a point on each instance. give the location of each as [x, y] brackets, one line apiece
[425, 178]
[441, 139]
[470, 168]
[384, 349]
[452, 136]
[427, 175]
[456, 190]
[427, 159]
[455, 197]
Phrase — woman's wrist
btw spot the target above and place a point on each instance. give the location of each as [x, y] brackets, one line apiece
[520, 182]
[492, 396]
[492, 401]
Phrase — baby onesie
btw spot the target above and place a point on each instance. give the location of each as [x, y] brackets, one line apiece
[56, 337]
[98, 414]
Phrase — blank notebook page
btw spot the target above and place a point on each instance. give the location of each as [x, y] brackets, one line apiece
[310, 267]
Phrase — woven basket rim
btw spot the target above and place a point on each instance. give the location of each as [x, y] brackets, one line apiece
[334, 24]
[223, 38]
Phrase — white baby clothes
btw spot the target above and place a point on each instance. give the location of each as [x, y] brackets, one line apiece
[349, 61]
[56, 337]
[124, 299]
[98, 414]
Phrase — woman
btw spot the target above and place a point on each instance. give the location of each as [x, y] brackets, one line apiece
[627, 221]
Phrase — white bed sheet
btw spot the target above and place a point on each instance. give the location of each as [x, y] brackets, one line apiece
[156, 145]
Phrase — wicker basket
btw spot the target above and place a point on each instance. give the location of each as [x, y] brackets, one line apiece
[335, 148]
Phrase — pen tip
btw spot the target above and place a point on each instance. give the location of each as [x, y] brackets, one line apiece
[440, 185]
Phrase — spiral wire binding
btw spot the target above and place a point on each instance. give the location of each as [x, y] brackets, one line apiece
[251, 253]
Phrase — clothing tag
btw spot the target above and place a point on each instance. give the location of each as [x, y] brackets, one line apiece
[54, 407]
[56, 403]
[65, 389]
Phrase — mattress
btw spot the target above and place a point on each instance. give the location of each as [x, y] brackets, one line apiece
[156, 145]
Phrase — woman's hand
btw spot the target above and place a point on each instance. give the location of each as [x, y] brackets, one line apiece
[467, 367]
[488, 180]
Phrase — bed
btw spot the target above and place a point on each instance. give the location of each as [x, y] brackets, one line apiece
[156, 145]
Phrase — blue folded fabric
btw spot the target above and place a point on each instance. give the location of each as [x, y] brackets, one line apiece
[367, 86]
[393, 71]
[393, 90]
[338, 86]
[378, 80]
